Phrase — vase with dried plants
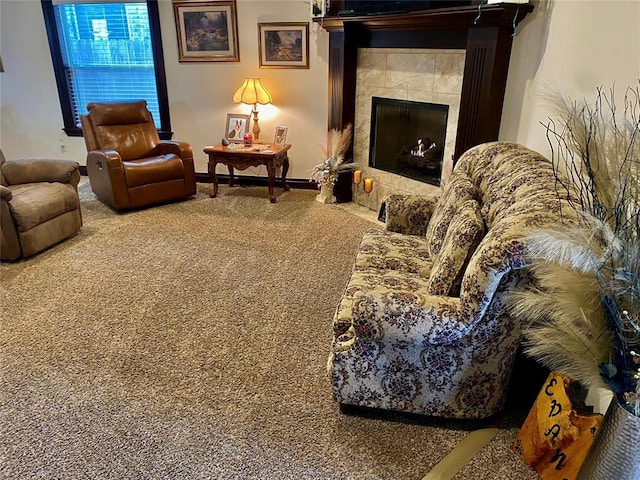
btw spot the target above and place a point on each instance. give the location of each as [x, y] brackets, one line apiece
[584, 310]
[333, 163]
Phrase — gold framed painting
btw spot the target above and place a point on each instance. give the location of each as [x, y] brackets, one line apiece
[283, 45]
[207, 31]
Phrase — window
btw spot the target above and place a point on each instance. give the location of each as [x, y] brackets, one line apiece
[105, 51]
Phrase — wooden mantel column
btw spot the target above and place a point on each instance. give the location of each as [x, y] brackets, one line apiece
[487, 40]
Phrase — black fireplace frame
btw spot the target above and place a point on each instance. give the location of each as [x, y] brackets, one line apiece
[417, 109]
[485, 32]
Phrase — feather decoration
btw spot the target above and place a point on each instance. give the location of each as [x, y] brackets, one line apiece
[338, 142]
[582, 316]
[333, 157]
[585, 249]
[567, 331]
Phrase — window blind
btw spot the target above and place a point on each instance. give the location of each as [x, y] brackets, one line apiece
[107, 54]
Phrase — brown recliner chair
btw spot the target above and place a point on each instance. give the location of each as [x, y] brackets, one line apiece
[39, 204]
[128, 165]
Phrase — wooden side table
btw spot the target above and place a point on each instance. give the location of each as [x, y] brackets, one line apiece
[273, 156]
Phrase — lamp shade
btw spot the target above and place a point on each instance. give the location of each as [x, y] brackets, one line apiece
[251, 92]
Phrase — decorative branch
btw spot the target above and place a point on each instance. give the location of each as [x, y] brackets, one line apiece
[585, 310]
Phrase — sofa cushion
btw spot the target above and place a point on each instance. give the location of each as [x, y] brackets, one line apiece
[116, 113]
[40, 169]
[391, 282]
[462, 238]
[384, 250]
[507, 190]
[36, 203]
[408, 214]
[481, 161]
[458, 190]
[501, 254]
[153, 170]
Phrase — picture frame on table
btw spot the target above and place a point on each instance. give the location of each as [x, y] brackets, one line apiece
[236, 127]
[280, 137]
[207, 31]
[283, 45]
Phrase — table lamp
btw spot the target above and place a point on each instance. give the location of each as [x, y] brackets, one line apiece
[253, 92]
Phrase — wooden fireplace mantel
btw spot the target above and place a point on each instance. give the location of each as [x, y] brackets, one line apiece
[486, 36]
[442, 18]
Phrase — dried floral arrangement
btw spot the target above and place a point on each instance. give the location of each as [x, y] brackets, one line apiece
[585, 310]
[333, 157]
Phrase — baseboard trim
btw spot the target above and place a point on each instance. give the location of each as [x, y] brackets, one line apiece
[244, 180]
[252, 180]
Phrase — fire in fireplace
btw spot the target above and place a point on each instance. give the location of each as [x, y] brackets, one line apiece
[408, 138]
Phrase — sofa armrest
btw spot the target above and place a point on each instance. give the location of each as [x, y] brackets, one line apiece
[107, 177]
[104, 161]
[34, 170]
[409, 214]
[182, 149]
[397, 316]
[5, 193]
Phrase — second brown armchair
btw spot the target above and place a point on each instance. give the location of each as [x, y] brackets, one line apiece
[128, 165]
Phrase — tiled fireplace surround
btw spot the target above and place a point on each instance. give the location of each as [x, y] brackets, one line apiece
[423, 75]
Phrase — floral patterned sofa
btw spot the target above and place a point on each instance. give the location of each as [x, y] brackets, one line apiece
[422, 324]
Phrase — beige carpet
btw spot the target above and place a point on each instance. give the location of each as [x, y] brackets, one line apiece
[189, 341]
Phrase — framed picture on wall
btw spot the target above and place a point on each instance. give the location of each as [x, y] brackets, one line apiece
[235, 128]
[281, 135]
[318, 8]
[207, 31]
[283, 45]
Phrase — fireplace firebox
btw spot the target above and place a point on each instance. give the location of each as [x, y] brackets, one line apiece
[408, 138]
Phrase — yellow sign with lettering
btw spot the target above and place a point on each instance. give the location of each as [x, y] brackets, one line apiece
[554, 439]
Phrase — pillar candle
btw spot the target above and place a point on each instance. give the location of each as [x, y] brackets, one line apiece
[357, 176]
[368, 185]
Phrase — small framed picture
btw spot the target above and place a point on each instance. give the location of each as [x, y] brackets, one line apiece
[207, 31]
[318, 8]
[281, 135]
[237, 125]
[283, 45]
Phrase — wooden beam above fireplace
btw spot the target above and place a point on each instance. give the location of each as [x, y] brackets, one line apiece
[486, 34]
[461, 18]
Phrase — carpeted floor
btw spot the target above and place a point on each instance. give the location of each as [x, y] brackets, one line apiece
[189, 341]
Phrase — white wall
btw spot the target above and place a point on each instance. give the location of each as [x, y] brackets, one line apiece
[571, 47]
[575, 45]
[199, 93]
